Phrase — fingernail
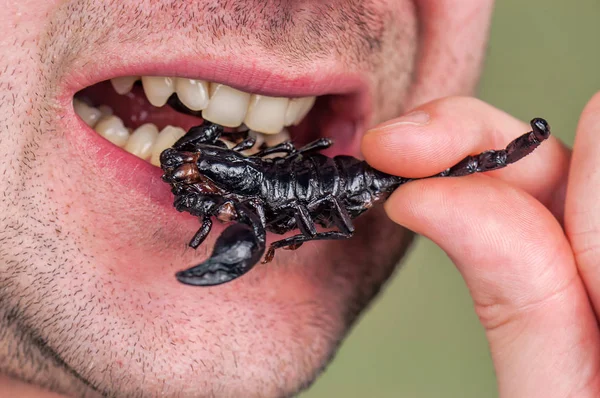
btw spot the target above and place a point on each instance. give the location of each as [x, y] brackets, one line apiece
[416, 118]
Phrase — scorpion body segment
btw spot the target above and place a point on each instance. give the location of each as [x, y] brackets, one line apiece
[299, 189]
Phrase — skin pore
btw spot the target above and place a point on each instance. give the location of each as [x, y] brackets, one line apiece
[88, 302]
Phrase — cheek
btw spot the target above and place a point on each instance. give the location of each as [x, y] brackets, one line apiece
[393, 64]
[452, 39]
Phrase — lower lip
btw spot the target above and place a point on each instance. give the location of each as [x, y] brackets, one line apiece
[118, 164]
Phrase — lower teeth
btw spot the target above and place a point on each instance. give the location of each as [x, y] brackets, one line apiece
[146, 142]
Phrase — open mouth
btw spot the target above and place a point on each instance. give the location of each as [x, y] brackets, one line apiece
[146, 115]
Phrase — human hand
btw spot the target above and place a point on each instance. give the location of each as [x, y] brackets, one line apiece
[526, 238]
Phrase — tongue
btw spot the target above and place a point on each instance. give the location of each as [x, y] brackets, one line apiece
[134, 109]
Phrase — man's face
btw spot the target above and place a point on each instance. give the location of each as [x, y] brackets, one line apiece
[89, 240]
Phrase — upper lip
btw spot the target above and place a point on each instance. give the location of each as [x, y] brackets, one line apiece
[256, 77]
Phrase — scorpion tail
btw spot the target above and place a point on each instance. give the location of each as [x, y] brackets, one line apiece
[236, 252]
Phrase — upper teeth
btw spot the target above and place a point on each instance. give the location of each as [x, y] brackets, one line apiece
[227, 106]
[193, 93]
[261, 105]
[123, 85]
[158, 89]
[146, 142]
[222, 104]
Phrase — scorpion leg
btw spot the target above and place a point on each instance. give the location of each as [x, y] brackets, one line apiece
[300, 219]
[244, 145]
[317, 145]
[341, 219]
[497, 159]
[259, 209]
[288, 148]
[340, 216]
[236, 252]
[202, 233]
[304, 222]
[176, 104]
[285, 147]
[297, 240]
[206, 133]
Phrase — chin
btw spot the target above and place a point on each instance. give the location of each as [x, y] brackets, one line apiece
[268, 333]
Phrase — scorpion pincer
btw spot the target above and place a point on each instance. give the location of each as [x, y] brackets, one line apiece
[299, 188]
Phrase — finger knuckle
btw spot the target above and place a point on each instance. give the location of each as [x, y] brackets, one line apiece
[586, 247]
[500, 312]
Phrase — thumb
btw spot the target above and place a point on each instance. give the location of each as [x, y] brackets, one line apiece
[520, 271]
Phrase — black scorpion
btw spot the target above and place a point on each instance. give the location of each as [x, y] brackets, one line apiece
[295, 190]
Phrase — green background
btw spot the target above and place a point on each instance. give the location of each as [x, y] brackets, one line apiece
[421, 338]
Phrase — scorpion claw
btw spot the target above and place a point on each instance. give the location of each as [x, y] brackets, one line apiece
[236, 252]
